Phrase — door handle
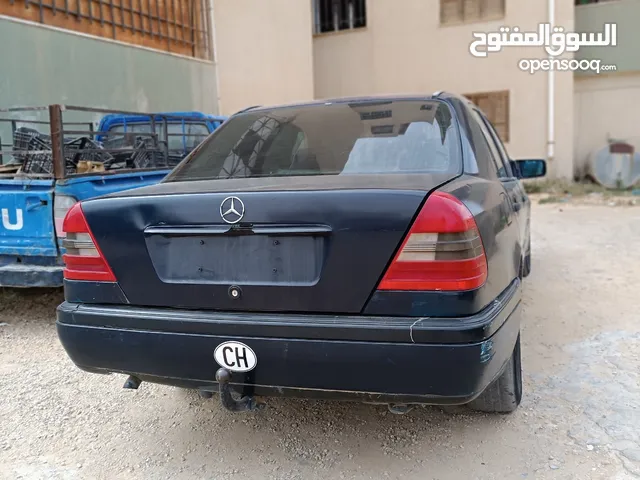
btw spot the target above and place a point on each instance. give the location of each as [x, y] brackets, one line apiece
[506, 211]
[35, 202]
[516, 205]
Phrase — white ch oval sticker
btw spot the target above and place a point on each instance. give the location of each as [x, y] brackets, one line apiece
[235, 356]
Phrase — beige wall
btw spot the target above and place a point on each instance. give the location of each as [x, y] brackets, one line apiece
[606, 107]
[405, 50]
[263, 52]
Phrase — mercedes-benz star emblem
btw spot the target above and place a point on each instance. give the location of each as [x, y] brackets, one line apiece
[232, 210]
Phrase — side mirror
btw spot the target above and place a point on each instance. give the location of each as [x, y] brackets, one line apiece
[529, 168]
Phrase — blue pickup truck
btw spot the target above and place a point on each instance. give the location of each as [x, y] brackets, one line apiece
[47, 164]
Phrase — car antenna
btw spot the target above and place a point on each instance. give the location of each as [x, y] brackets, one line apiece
[247, 109]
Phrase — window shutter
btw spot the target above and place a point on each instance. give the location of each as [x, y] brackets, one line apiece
[493, 8]
[495, 106]
[451, 11]
[457, 11]
[472, 10]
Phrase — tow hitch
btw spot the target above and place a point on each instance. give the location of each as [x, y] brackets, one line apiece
[245, 404]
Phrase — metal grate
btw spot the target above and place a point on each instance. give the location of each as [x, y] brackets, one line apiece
[336, 15]
[177, 26]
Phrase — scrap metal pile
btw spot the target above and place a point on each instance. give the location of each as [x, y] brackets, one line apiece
[32, 150]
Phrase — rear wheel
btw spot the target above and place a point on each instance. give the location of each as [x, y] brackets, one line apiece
[505, 393]
[526, 262]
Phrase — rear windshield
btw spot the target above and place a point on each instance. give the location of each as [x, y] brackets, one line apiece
[383, 137]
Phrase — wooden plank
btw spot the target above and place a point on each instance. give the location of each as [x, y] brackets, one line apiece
[12, 168]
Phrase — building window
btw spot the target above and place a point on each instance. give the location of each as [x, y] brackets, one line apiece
[495, 105]
[336, 15]
[589, 2]
[467, 11]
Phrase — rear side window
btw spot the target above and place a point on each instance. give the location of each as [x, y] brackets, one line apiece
[181, 135]
[486, 165]
[498, 166]
[187, 135]
[383, 137]
[131, 128]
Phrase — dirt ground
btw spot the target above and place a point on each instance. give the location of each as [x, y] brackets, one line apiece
[580, 416]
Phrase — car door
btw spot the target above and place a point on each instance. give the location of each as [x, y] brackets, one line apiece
[505, 179]
[517, 196]
[502, 236]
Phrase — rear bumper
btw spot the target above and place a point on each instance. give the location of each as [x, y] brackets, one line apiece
[26, 275]
[434, 361]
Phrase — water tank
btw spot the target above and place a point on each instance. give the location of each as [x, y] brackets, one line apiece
[615, 166]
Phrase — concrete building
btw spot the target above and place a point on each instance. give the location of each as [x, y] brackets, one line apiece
[291, 50]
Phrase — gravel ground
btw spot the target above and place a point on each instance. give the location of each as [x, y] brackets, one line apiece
[580, 417]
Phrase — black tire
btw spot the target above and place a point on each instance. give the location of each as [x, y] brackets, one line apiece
[526, 263]
[505, 393]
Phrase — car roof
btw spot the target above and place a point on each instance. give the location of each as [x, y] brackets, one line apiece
[361, 99]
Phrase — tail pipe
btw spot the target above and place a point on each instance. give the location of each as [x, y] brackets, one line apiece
[132, 383]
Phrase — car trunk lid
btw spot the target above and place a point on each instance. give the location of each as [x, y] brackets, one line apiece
[314, 244]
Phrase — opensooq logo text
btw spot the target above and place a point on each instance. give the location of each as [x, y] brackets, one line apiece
[554, 40]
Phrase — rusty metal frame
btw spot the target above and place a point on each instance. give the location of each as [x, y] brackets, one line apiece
[195, 30]
[58, 129]
[57, 141]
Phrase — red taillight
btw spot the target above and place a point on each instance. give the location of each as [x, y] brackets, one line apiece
[83, 260]
[443, 250]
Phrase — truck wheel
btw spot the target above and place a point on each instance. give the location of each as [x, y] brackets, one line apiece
[505, 393]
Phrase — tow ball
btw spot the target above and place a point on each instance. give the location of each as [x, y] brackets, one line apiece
[245, 404]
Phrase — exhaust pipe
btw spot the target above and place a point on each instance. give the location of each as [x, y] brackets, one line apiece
[400, 408]
[132, 383]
